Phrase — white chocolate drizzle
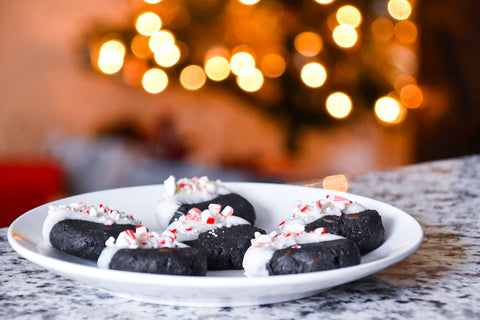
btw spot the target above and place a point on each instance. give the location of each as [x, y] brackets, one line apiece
[80, 211]
[185, 191]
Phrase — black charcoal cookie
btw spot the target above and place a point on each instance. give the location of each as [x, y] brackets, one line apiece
[298, 252]
[217, 231]
[148, 252]
[182, 195]
[82, 230]
[84, 239]
[342, 217]
[365, 228]
[226, 246]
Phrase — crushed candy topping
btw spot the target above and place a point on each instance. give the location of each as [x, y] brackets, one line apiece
[141, 238]
[330, 205]
[276, 241]
[100, 214]
[195, 184]
[188, 227]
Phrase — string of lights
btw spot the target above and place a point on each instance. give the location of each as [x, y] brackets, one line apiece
[316, 58]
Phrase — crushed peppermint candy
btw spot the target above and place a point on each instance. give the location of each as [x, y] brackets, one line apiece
[141, 238]
[186, 191]
[195, 184]
[330, 205]
[188, 227]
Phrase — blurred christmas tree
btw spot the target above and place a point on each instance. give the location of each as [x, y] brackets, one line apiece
[305, 62]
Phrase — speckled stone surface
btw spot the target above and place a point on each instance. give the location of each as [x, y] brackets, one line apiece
[439, 281]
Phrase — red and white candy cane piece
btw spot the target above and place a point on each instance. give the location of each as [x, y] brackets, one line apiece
[194, 214]
[227, 211]
[130, 236]
[215, 208]
[142, 231]
[207, 217]
[340, 199]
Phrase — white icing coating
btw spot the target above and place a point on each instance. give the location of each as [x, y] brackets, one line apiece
[80, 211]
[330, 205]
[264, 246]
[188, 227]
[185, 191]
[140, 238]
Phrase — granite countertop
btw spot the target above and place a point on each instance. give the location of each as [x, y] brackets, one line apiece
[439, 281]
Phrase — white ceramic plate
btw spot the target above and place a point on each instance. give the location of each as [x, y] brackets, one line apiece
[272, 203]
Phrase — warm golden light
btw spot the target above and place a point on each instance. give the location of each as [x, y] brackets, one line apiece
[308, 44]
[345, 36]
[349, 15]
[140, 46]
[388, 110]
[273, 65]
[160, 37]
[399, 9]
[339, 105]
[167, 54]
[217, 68]
[338, 182]
[192, 77]
[382, 29]
[251, 81]
[153, 1]
[249, 2]
[217, 50]
[242, 63]
[411, 96]
[111, 57]
[402, 80]
[148, 23]
[155, 80]
[313, 75]
[406, 31]
[324, 1]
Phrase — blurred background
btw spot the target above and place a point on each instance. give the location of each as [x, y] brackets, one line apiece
[104, 94]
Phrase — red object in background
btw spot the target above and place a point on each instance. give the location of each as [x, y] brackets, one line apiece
[26, 185]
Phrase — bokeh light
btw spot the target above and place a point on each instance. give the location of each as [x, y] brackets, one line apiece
[251, 81]
[339, 105]
[313, 74]
[402, 80]
[167, 54]
[345, 36]
[406, 31]
[242, 63]
[273, 65]
[139, 46]
[111, 57]
[153, 1]
[388, 110]
[217, 68]
[249, 2]
[160, 37]
[147, 23]
[308, 43]
[155, 80]
[411, 96]
[399, 9]
[382, 29]
[324, 1]
[192, 77]
[349, 15]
